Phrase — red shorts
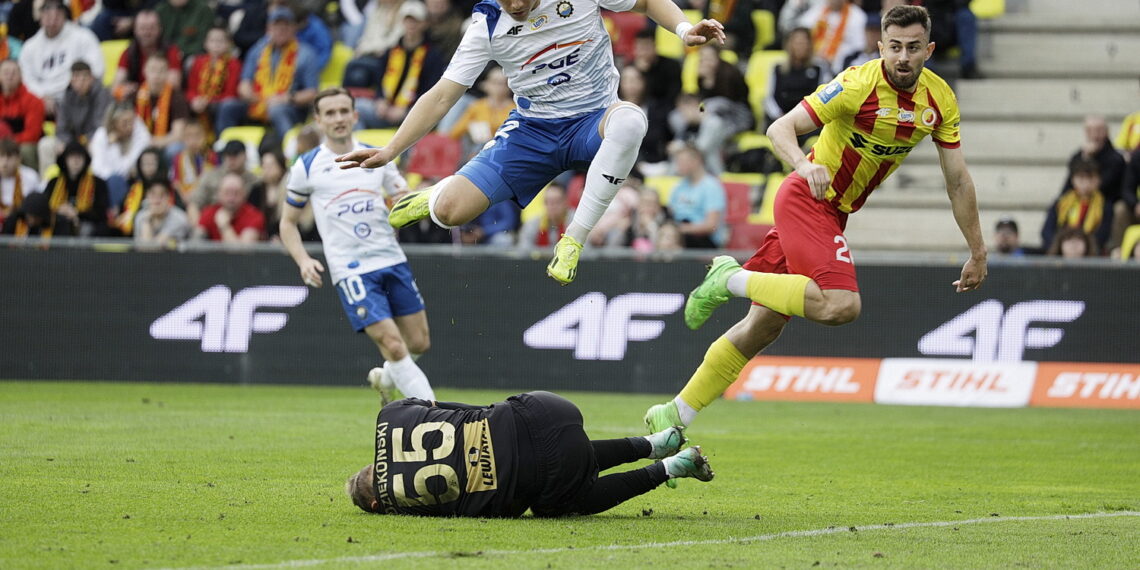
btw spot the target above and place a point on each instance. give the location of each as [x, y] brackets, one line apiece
[806, 240]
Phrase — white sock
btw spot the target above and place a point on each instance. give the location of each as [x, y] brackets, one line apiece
[624, 129]
[738, 283]
[685, 411]
[435, 190]
[409, 379]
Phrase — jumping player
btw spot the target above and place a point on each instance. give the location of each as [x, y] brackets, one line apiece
[872, 116]
[370, 270]
[559, 64]
[529, 452]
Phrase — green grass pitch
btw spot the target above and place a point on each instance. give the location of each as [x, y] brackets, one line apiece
[102, 475]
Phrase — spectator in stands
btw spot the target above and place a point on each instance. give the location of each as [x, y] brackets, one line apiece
[646, 221]
[185, 23]
[698, 202]
[192, 162]
[79, 114]
[387, 91]
[231, 219]
[146, 42]
[495, 226]
[150, 167]
[46, 58]
[1072, 243]
[872, 35]
[662, 74]
[116, 146]
[954, 25]
[160, 222]
[739, 30]
[795, 79]
[382, 28]
[482, 117]
[837, 30]
[1126, 212]
[1083, 206]
[162, 106]
[214, 76]
[279, 79]
[545, 230]
[613, 227]
[77, 196]
[16, 180]
[352, 20]
[268, 193]
[21, 112]
[669, 240]
[445, 25]
[35, 218]
[234, 161]
[1098, 147]
[312, 31]
[9, 46]
[653, 152]
[724, 104]
[1007, 239]
[790, 14]
[116, 18]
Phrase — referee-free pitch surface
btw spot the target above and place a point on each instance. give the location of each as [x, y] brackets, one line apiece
[171, 476]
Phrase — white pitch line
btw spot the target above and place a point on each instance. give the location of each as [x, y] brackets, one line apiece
[735, 540]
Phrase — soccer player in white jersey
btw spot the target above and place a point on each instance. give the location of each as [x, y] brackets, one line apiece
[370, 270]
[560, 66]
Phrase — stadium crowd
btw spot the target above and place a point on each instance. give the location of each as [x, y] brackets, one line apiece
[169, 120]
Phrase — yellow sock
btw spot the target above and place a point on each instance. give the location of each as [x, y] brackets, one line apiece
[722, 364]
[779, 292]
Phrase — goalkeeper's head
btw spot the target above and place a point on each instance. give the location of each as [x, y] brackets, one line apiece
[359, 489]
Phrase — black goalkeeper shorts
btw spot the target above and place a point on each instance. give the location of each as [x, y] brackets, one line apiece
[557, 464]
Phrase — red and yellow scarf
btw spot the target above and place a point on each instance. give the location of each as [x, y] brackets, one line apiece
[156, 117]
[189, 168]
[268, 82]
[1072, 212]
[822, 33]
[22, 228]
[84, 199]
[402, 78]
[131, 205]
[212, 77]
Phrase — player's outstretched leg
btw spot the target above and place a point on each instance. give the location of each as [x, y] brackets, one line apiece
[711, 293]
[616, 488]
[563, 268]
[661, 418]
[410, 209]
[689, 463]
[666, 442]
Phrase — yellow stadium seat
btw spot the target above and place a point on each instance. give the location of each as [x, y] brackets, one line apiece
[664, 186]
[1128, 138]
[1128, 242]
[690, 67]
[333, 73]
[375, 137]
[112, 52]
[766, 215]
[668, 44]
[49, 128]
[750, 140]
[759, 72]
[536, 208]
[51, 172]
[754, 179]
[765, 24]
[988, 9]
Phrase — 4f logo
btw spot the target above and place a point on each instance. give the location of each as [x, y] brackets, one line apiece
[613, 179]
[990, 332]
[224, 322]
[514, 31]
[597, 329]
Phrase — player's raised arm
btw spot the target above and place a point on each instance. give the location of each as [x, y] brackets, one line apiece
[425, 114]
[960, 188]
[783, 133]
[667, 14]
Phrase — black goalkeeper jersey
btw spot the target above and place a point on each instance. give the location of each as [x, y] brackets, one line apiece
[446, 459]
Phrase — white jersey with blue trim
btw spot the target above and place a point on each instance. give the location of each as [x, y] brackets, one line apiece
[351, 210]
[559, 63]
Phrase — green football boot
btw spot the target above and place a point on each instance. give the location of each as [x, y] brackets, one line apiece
[410, 209]
[563, 267]
[711, 293]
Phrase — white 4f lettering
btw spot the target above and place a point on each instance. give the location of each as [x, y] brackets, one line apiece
[599, 330]
[999, 334]
[224, 322]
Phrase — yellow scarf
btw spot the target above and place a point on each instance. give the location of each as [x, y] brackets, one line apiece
[131, 205]
[83, 200]
[1070, 208]
[22, 228]
[821, 32]
[403, 93]
[268, 82]
[157, 119]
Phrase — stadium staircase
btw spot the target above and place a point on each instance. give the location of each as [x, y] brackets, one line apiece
[1047, 63]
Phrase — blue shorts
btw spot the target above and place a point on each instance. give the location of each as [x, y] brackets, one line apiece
[382, 294]
[529, 152]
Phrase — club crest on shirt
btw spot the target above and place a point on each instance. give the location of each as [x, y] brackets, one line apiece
[929, 116]
[829, 92]
[362, 230]
[564, 9]
[906, 116]
[538, 21]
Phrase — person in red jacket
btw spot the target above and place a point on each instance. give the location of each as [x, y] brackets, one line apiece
[214, 75]
[21, 113]
[232, 219]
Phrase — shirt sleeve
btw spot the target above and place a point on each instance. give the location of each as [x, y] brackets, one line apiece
[392, 182]
[946, 134]
[838, 98]
[473, 53]
[617, 5]
[298, 190]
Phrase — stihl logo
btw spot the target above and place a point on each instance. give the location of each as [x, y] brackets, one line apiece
[824, 379]
[597, 329]
[224, 322]
[987, 332]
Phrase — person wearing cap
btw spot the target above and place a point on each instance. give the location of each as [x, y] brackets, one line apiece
[234, 161]
[1007, 240]
[406, 71]
[1082, 206]
[46, 58]
[78, 115]
[279, 79]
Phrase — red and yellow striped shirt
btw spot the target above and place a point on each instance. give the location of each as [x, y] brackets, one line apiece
[869, 127]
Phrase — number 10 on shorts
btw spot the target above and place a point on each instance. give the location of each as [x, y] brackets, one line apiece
[353, 288]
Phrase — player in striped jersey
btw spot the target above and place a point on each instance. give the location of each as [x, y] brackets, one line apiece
[559, 64]
[872, 117]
